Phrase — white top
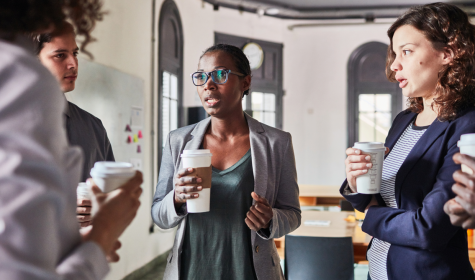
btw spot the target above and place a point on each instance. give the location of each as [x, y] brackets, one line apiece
[378, 252]
[39, 236]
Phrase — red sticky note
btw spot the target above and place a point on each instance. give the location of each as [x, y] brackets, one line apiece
[129, 139]
[140, 133]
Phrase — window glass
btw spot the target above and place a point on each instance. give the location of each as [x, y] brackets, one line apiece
[169, 105]
[374, 117]
[264, 107]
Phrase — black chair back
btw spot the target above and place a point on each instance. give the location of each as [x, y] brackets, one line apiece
[319, 258]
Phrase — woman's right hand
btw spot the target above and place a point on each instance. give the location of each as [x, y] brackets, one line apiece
[356, 164]
[186, 186]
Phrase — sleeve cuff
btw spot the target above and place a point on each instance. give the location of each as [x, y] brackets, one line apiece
[347, 190]
[266, 232]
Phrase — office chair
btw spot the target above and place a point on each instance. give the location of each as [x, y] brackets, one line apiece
[319, 258]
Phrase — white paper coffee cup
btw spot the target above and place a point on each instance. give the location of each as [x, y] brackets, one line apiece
[199, 159]
[82, 191]
[467, 147]
[370, 182]
[109, 175]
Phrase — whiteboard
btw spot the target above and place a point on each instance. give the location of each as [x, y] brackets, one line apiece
[117, 99]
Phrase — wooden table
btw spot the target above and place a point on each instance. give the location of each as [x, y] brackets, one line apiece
[319, 195]
[338, 228]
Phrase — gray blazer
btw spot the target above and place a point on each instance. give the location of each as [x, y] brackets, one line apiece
[275, 178]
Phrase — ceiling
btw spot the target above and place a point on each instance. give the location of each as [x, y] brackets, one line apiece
[332, 9]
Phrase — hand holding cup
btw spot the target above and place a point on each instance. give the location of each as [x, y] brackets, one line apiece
[83, 211]
[364, 164]
[356, 164]
[114, 211]
[186, 186]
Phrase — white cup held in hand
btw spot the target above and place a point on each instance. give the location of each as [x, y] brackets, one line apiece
[467, 147]
[109, 175]
[200, 160]
[370, 182]
[82, 191]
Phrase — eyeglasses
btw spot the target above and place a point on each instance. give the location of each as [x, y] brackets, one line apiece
[219, 76]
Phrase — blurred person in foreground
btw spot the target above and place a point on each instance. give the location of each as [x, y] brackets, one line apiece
[461, 209]
[58, 52]
[431, 55]
[39, 235]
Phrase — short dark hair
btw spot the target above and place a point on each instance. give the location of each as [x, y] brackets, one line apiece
[39, 40]
[446, 27]
[240, 59]
[29, 16]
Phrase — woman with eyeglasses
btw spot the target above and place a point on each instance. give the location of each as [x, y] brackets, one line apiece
[432, 56]
[254, 193]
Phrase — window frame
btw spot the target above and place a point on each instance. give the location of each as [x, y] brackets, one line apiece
[169, 12]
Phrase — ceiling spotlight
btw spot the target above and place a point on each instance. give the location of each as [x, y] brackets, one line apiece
[260, 12]
[272, 11]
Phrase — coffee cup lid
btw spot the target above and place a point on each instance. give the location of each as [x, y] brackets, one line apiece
[466, 139]
[196, 153]
[368, 145]
[111, 168]
[82, 185]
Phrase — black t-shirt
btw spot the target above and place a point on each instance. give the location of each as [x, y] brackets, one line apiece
[86, 131]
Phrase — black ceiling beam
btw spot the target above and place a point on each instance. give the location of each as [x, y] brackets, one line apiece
[353, 12]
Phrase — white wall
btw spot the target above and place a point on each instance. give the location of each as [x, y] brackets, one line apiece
[315, 61]
[315, 107]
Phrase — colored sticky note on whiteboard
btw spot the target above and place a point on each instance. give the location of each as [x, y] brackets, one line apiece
[140, 134]
[136, 138]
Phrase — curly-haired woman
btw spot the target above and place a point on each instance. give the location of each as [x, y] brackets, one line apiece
[431, 55]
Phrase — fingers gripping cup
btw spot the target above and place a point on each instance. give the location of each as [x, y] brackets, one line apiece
[370, 182]
[200, 160]
[109, 175]
[467, 147]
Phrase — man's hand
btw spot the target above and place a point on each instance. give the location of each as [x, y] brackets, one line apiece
[114, 211]
[260, 214]
[83, 212]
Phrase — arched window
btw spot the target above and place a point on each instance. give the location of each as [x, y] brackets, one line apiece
[373, 101]
[170, 71]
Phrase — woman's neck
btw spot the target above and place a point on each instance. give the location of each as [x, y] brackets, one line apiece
[428, 114]
[228, 127]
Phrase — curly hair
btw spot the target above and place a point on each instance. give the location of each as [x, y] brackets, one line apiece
[447, 27]
[32, 16]
[240, 59]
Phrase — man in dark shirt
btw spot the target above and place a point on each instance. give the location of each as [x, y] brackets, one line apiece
[58, 52]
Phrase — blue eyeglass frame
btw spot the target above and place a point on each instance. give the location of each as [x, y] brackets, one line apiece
[208, 74]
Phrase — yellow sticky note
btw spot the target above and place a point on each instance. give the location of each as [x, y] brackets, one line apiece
[136, 138]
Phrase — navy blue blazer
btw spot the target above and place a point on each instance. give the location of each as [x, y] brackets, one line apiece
[424, 244]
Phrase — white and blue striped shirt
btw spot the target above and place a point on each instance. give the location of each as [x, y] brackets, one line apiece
[378, 253]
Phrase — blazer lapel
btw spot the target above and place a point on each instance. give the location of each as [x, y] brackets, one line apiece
[259, 162]
[198, 134]
[424, 143]
[398, 128]
[258, 152]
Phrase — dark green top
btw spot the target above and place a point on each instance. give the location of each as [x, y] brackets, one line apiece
[217, 244]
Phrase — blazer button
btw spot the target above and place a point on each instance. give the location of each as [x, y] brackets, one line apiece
[257, 249]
